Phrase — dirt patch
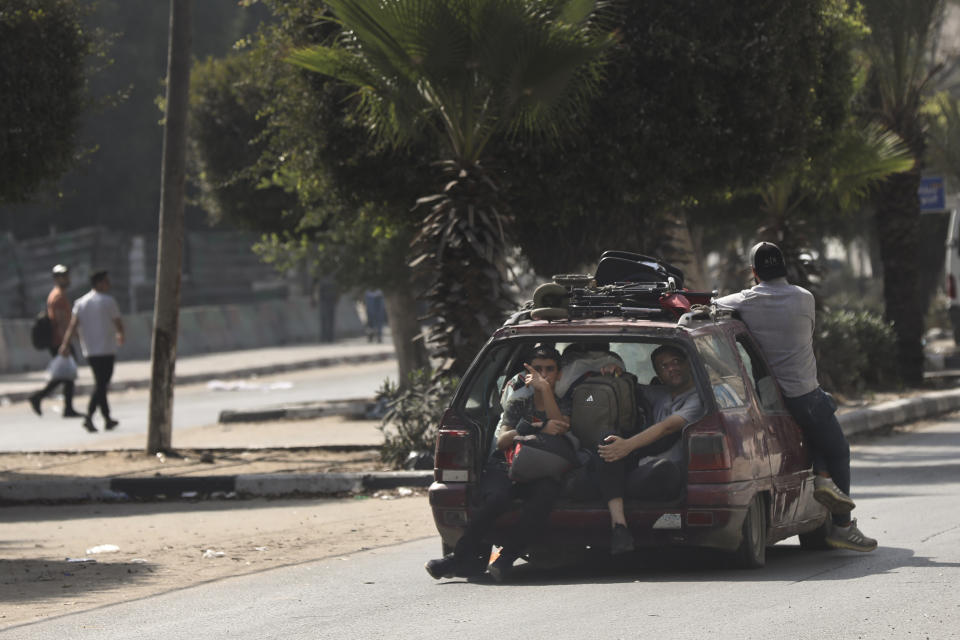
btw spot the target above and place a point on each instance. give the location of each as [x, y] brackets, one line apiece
[49, 564]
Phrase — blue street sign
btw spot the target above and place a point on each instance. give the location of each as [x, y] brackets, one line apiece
[933, 194]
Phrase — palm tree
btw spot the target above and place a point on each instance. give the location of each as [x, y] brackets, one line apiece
[837, 179]
[465, 72]
[901, 69]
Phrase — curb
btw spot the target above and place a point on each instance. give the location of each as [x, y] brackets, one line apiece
[894, 412]
[883, 415]
[216, 487]
[194, 378]
[361, 408]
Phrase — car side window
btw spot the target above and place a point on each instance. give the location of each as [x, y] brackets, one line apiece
[723, 369]
[763, 382]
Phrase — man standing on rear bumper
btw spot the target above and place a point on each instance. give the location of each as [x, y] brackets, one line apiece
[781, 317]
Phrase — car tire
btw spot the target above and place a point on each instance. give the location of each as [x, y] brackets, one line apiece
[550, 313]
[816, 540]
[752, 552]
[550, 294]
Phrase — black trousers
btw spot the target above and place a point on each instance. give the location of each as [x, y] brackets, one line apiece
[537, 500]
[102, 367]
[658, 479]
[68, 385]
[830, 451]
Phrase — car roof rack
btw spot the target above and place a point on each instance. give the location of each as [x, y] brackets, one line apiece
[627, 285]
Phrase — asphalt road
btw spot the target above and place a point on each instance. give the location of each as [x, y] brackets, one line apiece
[194, 405]
[908, 492]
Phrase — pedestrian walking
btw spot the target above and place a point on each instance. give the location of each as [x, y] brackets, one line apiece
[376, 314]
[96, 318]
[58, 311]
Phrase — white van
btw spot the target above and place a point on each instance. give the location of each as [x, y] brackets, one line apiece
[953, 273]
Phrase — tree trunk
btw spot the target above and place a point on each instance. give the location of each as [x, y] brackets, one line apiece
[898, 224]
[460, 251]
[170, 236]
[405, 332]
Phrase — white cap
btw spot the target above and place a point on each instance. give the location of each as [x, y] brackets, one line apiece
[61, 269]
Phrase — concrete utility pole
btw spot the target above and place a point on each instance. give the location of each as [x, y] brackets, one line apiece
[166, 310]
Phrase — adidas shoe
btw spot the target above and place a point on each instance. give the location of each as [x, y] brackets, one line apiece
[850, 537]
[827, 493]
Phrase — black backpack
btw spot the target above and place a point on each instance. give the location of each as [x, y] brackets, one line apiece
[41, 334]
[603, 405]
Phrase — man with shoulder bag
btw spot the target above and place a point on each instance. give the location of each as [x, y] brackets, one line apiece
[63, 368]
[532, 412]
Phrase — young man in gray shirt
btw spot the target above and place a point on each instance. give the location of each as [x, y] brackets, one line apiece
[781, 318]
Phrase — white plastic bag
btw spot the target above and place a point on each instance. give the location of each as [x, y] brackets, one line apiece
[62, 368]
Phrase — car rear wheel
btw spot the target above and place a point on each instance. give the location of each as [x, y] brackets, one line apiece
[752, 552]
[816, 540]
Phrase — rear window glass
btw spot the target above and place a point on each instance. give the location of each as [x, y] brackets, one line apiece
[723, 368]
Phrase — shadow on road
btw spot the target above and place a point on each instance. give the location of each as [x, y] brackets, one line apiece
[785, 563]
[32, 580]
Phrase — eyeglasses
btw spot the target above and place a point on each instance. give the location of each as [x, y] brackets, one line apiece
[544, 368]
[672, 363]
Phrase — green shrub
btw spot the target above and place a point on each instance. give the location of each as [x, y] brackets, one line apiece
[412, 414]
[856, 350]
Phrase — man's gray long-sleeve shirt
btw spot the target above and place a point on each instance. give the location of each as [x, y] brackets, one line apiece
[781, 318]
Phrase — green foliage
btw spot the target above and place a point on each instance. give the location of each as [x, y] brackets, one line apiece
[901, 51]
[466, 68]
[117, 181]
[227, 141]
[463, 72]
[943, 112]
[857, 351]
[413, 413]
[699, 99]
[43, 47]
[278, 149]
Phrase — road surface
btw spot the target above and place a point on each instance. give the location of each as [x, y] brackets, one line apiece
[907, 488]
[193, 406]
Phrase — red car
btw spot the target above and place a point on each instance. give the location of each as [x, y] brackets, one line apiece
[748, 479]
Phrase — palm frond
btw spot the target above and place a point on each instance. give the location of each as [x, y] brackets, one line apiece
[469, 68]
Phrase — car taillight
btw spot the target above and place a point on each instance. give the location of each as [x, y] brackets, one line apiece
[453, 456]
[708, 451]
[951, 287]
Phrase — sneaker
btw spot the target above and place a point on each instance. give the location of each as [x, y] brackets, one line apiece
[35, 404]
[88, 425]
[850, 537]
[500, 569]
[827, 493]
[441, 567]
[111, 424]
[621, 540]
[72, 413]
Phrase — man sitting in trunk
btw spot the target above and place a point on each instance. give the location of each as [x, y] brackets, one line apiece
[650, 461]
[525, 413]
